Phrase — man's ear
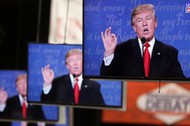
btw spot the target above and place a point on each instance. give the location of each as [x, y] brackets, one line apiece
[16, 88]
[67, 66]
[134, 28]
[156, 24]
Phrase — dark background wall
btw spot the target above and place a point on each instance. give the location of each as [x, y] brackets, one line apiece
[18, 26]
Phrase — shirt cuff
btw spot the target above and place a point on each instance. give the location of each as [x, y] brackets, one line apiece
[47, 89]
[2, 107]
[107, 60]
[41, 124]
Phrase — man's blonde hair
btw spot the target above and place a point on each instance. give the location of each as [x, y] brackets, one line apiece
[142, 8]
[71, 52]
[21, 76]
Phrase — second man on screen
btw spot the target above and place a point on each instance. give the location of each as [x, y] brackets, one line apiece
[71, 88]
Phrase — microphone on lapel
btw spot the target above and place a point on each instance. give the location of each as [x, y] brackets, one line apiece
[143, 40]
[74, 75]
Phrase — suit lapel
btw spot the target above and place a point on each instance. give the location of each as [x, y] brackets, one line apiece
[15, 107]
[84, 91]
[84, 85]
[156, 60]
[65, 91]
[18, 104]
[138, 58]
[69, 89]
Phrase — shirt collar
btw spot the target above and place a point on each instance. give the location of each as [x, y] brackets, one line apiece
[73, 80]
[21, 99]
[151, 42]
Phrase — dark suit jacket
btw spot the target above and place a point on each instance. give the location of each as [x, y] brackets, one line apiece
[63, 93]
[13, 110]
[128, 61]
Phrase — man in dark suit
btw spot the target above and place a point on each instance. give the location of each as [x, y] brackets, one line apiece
[126, 59]
[11, 108]
[61, 89]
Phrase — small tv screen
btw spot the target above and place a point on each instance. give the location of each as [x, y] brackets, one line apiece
[13, 89]
[65, 119]
[115, 32]
[52, 73]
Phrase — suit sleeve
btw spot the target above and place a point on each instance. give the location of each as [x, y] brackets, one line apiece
[98, 97]
[101, 99]
[46, 97]
[4, 113]
[39, 114]
[175, 67]
[114, 68]
[51, 95]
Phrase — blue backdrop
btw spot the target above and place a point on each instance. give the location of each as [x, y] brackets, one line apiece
[42, 54]
[173, 28]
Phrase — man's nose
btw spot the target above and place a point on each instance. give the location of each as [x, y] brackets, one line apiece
[75, 62]
[144, 22]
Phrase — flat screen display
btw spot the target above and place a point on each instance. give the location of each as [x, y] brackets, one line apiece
[12, 86]
[65, 119]
[97, 93]
[171, 29]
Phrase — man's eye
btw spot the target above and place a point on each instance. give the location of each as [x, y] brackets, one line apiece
[70, 60]
[148, 18]
[79, 59]
[139, 20]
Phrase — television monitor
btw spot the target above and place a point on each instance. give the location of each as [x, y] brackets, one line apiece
[39, 55]
[172, 29]
[11, 108]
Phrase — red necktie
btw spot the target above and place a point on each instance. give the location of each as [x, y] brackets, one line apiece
[146, 60]
[76, 91]
[24, 108]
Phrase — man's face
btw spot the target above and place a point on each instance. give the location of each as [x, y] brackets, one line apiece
[74, 63]
[21, 86]
[145, 25]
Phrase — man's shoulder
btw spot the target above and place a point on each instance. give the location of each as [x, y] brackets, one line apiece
[61, 78]
[126, 45]
[165, 47]
[91, 82]
[12, 99]
[127, 42]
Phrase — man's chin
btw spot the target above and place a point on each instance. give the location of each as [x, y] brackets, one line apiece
[24, 95]
[76, 74]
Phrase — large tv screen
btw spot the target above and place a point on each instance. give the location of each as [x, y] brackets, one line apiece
[13, 87]
[52, 69]
[115, 35]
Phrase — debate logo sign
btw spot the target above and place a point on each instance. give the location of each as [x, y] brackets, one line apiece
[171, 105]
